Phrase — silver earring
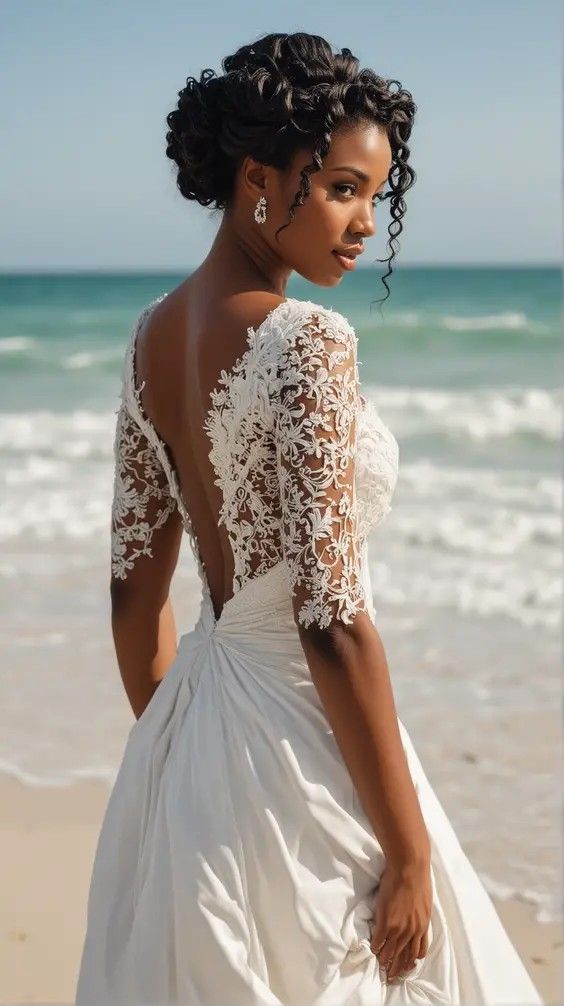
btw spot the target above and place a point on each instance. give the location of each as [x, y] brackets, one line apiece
[260, 210]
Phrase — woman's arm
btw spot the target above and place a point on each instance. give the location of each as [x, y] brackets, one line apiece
[146, 537]
[349, 669]
[315, 429]
[146, 532]
[145, 644]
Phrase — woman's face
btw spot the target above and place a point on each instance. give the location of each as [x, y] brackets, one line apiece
[339, 212]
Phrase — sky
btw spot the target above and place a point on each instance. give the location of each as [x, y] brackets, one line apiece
[86, 87]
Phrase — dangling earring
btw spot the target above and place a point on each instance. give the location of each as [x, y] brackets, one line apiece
[260, 210]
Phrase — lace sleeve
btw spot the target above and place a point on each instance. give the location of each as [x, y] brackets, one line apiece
[142, 501]
[315, 423]
[142, 497]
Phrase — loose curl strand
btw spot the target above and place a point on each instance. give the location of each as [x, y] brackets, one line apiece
[277, 96]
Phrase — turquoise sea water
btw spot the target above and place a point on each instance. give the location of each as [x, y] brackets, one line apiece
[457, 327]
[464, 365]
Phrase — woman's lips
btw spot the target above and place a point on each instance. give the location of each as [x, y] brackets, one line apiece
[345, 261]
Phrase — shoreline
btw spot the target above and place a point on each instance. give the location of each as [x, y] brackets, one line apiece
[50, 833]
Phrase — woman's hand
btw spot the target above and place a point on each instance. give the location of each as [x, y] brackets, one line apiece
[402, 912]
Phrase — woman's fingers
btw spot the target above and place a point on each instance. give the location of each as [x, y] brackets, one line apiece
[410, 954]
[401, 945]
[380, 941]
[387, 952]
[417, 952]
[424, 945]
[402, 959]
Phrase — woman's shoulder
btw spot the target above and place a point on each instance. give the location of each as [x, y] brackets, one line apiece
[267, 320]
[309, 317]
[259, 312]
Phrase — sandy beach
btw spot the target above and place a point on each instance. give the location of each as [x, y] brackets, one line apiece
[47, 843]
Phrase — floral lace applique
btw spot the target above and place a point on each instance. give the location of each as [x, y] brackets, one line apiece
[239, 427]
[305, 467]
[316, 416]
[142, 500]
[143, 497]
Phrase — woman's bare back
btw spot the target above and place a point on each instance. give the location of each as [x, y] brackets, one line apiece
[188, 339]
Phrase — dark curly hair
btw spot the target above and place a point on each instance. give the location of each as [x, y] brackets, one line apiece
[278, 95]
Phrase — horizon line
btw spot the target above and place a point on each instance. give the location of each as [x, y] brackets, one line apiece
[177, 270]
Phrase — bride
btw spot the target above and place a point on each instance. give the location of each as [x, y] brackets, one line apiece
[271, 838]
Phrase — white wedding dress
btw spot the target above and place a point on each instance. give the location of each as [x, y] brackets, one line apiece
[235, 865]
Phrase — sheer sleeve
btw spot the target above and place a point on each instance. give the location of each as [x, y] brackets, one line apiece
[142, 497]
[142, 501]
[315, 422]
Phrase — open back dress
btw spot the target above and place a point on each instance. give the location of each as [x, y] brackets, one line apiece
[235, 864]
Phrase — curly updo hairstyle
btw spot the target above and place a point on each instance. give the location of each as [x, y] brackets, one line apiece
[278, 95]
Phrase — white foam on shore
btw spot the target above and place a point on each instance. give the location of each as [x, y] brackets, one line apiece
[546, 911]
[65, 780]
[479, 414]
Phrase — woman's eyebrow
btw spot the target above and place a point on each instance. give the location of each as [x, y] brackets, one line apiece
[359, 174]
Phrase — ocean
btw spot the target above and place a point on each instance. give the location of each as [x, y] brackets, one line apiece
[464, 366]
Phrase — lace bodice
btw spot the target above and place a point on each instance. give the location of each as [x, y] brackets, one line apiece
[305, 466]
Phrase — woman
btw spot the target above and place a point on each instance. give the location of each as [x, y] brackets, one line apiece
[271, 837]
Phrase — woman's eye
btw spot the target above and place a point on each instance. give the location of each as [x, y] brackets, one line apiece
[349, 185]
[345, 185]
